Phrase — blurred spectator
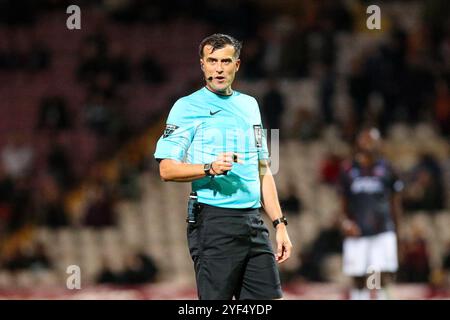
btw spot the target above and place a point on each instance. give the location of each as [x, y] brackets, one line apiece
[151, 71]
[339, 14]
[17, 156]
[442, 106]
[118, 63]
[93, 57]
[100, 211]
[10, 58]
[321, 42]
[359, 89]
[29, 256]
[237, 18]
[125, 11]
[253, 56]
[18, 13]
[51, 211]
[330, 168]
[40, 258]
[128, 184]
[421, 193]
[59, 164]
[22, 206]
[6, 186]
[107, 275]
[139, 268]
[103, 84]
[426, 190]
[273, 46]
[53, 114]
[349, 127]
[39, 57]
[106, 119]
[414, 266]
[158, 11]
[6, 199]
[306, 126]
[417, 78]
[327, 80]
[446, 267]
[384, 81]
[273, 106]
[294, 55]
[97, 114]
[291, 204]
[33, 58]
[328, 241]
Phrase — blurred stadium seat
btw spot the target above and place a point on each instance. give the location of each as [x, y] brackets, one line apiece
[149, 215]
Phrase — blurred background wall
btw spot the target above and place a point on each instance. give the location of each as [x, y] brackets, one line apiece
[81, 110]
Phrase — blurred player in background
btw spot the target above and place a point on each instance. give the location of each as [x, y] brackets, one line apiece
[371, 207]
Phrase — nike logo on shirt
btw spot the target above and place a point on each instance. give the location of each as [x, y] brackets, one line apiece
[213, 113]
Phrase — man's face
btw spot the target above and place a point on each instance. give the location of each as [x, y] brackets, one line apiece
[369, 142]
[219, 68]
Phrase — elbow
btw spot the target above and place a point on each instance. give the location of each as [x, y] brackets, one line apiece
[164, 177]
[164, 174]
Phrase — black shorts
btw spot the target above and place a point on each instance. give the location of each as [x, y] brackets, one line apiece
[232, 255]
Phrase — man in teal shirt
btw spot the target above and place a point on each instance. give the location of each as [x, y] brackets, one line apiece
[214, 138]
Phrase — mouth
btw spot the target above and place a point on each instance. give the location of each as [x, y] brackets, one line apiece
[220, 78]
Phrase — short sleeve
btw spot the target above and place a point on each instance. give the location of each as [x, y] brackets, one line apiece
[178, 133]
[260, 136]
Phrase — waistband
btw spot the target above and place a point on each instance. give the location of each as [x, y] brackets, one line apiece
[220, 210]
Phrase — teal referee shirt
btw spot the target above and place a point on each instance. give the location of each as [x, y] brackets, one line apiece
[203, 125]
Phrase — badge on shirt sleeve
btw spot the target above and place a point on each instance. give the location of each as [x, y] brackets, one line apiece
[170, 128]
[257, 128]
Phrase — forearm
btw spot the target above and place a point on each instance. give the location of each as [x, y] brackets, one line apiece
[269, 195]
[273, 210]
[344, 212]
[171, 170]
[396, 209]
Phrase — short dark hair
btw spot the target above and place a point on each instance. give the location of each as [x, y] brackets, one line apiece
[218, 41]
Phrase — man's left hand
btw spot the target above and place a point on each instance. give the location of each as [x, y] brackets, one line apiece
[284, 245]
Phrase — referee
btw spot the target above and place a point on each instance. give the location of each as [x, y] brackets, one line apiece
[214, 138]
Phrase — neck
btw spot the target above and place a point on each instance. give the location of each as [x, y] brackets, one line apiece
[365, 160]
[227, 92]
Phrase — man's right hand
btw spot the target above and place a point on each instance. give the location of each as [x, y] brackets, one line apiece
[223, 164]
[350, 228]
[219, 167]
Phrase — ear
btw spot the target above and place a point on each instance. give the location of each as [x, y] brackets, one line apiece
[238, 64]
[201, 64]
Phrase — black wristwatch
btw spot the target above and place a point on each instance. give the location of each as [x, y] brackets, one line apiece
[280, 220]
[207, 168]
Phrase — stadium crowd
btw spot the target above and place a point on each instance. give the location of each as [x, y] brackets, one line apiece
[68, 159]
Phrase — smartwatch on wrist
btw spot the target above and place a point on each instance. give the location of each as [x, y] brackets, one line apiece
[280, 220]
[207, 169]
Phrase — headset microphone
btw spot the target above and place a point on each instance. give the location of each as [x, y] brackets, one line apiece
[210, 78]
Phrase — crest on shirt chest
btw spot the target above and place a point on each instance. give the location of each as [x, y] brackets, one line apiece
[379, 171]
[170, 128]
[257, 129]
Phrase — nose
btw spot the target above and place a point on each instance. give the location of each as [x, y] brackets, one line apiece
[219, 68]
